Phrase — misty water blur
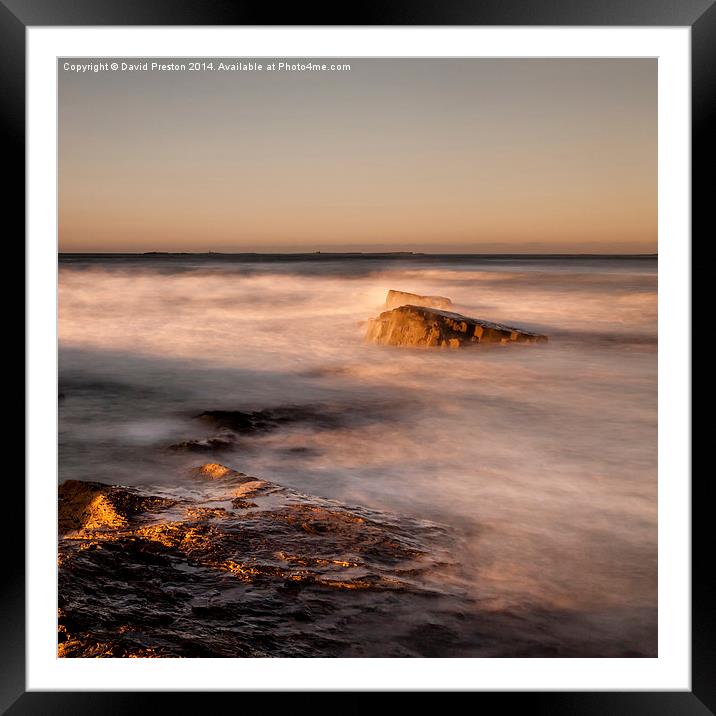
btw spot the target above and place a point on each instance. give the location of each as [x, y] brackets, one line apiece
[543, 457]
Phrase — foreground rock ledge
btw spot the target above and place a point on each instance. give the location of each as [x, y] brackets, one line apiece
[420, 326]
[403, 298]
[234, 565]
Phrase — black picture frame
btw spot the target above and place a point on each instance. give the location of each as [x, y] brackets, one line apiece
[699, 15]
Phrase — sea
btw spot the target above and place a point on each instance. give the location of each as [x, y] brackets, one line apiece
[542, 458]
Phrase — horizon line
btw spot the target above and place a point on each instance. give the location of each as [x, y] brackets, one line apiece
[349, 253]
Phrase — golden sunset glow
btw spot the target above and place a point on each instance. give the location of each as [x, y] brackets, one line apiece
[407, 154]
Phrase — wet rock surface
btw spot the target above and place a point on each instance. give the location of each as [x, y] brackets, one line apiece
[403, 298]
[239, 566]
[94, 505]
[418, 326]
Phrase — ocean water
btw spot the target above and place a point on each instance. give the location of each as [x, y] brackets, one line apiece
[542, 458]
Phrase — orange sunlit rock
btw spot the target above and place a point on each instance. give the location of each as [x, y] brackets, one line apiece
[421, 327]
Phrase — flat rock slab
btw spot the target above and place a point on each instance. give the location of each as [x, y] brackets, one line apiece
[240, 566]
[403, 298]
[231, 565]
[420, 326]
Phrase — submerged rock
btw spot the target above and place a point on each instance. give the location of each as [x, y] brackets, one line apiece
[232, 425]
[232, 430]
[403, 298]
[258, 421]
[430, 327]
[215, 574]
[216, 443]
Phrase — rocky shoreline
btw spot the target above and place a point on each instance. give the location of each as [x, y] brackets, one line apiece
[239, 566]
[217, 563]
[207, 561]
[236, 566]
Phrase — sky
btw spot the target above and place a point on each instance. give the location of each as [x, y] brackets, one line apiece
[433, 155]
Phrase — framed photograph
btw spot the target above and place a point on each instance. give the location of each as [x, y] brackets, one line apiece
[344, 368]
